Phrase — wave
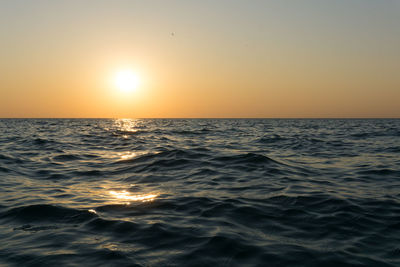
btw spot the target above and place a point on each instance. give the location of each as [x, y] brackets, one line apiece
[46, 213]
[374, 134]
[247, 158]
[66, 157]
[380, 172]
[272, 139]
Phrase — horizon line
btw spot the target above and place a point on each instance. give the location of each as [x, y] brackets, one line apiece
[210, 118]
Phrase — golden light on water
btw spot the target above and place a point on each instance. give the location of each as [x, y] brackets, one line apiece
[129, 155]
[126, 125]
[127, 196]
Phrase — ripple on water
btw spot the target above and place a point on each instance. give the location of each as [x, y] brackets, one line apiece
[199, 192]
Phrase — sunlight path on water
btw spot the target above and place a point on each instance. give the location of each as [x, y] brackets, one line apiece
[124, 195]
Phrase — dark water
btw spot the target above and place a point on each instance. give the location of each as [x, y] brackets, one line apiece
[200, 192]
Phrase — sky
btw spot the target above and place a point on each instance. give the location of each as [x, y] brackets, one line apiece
[200, 59]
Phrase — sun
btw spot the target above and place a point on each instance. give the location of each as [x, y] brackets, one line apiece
[126, 80]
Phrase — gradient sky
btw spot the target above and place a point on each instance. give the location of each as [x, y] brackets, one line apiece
[231, 58]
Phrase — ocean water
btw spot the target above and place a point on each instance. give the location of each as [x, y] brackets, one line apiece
[201, 192]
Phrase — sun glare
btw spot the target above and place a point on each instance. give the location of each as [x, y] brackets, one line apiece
[124, 195]
[126, 80]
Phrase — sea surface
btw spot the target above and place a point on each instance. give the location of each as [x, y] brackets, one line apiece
[199, 192]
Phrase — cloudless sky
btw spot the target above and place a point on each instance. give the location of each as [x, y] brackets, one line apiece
[200, 58]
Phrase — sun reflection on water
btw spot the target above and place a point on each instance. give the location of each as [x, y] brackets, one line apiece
[127, 196]
[128, 155]
[126, 125]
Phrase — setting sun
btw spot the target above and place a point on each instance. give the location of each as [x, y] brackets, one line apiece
[126, 80]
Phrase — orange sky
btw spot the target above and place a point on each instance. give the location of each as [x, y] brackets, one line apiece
[224, 59]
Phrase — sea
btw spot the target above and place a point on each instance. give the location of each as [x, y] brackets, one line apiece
[199, 192]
